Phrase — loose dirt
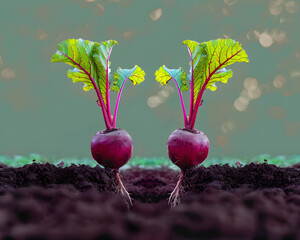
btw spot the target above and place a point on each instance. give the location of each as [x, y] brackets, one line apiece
[43, 201]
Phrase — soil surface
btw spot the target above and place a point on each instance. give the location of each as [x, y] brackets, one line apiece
[43, 201]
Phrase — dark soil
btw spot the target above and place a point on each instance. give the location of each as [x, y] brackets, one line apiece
[79, 202]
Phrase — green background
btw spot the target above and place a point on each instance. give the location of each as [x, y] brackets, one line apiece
[42, 111]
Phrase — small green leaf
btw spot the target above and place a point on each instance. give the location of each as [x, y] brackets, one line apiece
[136, 75]
[164, 75]
[77, 53]
[101, 57]
[221, 53]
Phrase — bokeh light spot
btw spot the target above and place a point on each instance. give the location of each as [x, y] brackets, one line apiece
[227, 127]
[275, 7]
[279, 81]
[279, 36]
[164, 93]
[250, 82]
[291, 7]
[244, 93]
[156, 14]
[256, 34]
[241, 104]
[8, 73]
[154, 101]
[254, 93]
[295, 73]
[265, 40]
[99, 9]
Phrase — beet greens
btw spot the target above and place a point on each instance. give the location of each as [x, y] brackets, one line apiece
[188, 147]
[207, 67]
[92, 67]
[111, 147]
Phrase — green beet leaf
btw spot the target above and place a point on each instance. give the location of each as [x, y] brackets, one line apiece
[78, 53]
[208, 62]
[221, 53]
[164, 75]
[136, 75]
[221, 75]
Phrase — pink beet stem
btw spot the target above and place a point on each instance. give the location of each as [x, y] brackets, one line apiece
[194, 114]
[192, 86]
[182, 105]
[107, 123]
[117, 104]
[107, 87]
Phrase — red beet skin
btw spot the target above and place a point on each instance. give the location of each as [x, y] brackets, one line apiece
[187, 148]
[111, 148]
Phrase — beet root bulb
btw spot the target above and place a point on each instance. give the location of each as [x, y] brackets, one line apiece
[111, 148]
[187, 148]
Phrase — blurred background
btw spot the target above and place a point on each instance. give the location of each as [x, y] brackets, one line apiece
[42, 111]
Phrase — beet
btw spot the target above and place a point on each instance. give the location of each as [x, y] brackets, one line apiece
[187, 148]
[111, 148]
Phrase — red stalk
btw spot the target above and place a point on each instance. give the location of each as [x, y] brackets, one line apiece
[107, 88]
[194, 114]
[117, 104]
[182, 105]
[192, 87]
